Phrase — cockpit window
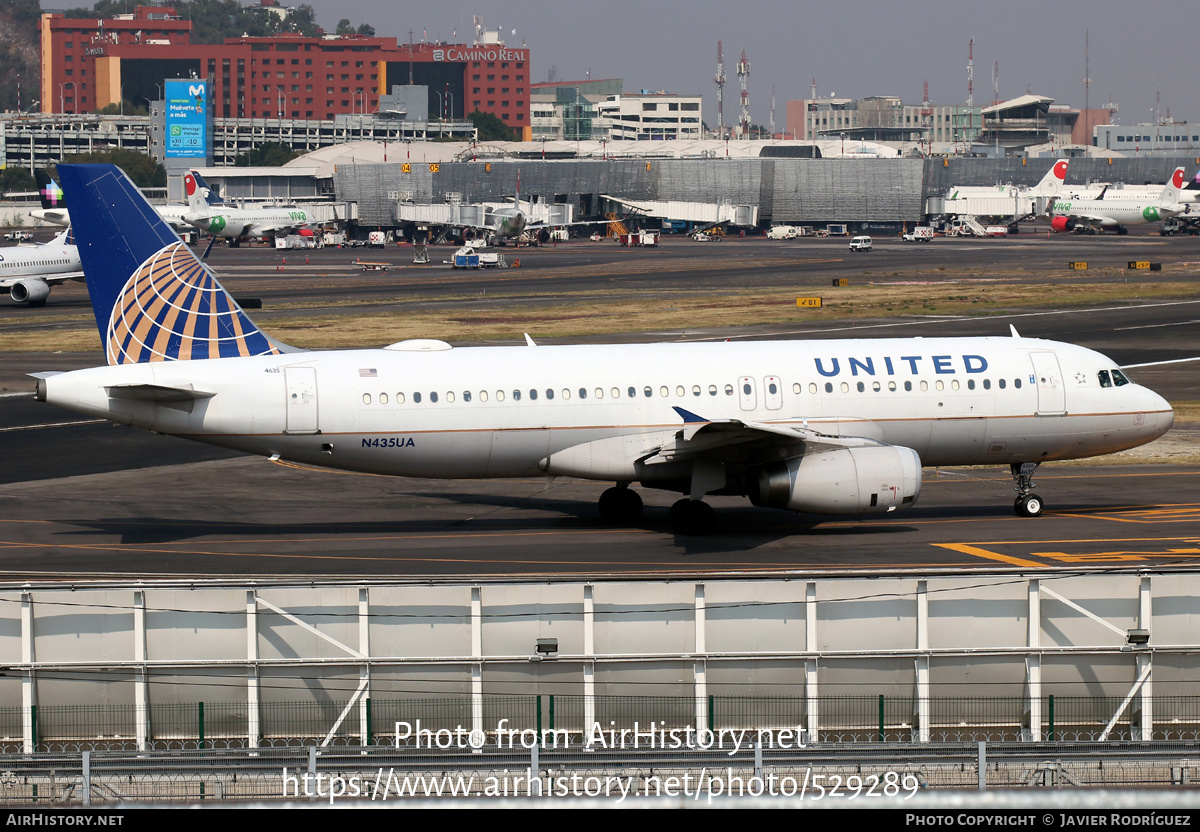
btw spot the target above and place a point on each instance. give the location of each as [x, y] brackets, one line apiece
[1119, 378]
[1105, 380]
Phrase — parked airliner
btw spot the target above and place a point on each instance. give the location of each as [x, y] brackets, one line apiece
[829, 427]
[27, 272]
[213, 215]
[1103, 214]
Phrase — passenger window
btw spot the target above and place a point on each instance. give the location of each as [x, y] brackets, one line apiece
[987, 384]
[600, 392]
[970, 384]
[940, 385]
[433, 398]
[772, 388]
[483, 395]
[663, 391]
[533, 395]
[383, 398]
[449, 397]
[924, 386]
[812, 387]
[796, 387]
[632, 393]
[891, 387]
[516, 395]
[366, 398]
[860, 387]
[466, 395]
[647, 392]
[829, 387]
[845, 387]
[696, 390]
[499, 395]
[954, 384]
[680, 391]
[1003, 383]
[908, 387]
[417, 398]
[549, 393]
[728, 389]
[746, 389]
[582, 393]
[399, 398]
[712, 389]
[566, 394]
[1017, 383]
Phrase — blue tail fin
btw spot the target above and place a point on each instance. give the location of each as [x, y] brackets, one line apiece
[153, 299]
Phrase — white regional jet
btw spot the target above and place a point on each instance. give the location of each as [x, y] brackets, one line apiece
[829, 427]
[1103, 214]
[28, 271]
[211, 214]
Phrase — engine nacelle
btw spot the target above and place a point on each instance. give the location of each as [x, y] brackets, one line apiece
[31, 291]
[1062, 224]
[872, 479]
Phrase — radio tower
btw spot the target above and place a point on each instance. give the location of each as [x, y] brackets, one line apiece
[743, 73]
[971, 73]
[772, 111]
[927, 116]
[720, 79]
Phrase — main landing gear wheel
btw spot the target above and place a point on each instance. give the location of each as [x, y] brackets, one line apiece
[1028, 506]
[692, 517]
[619, 505]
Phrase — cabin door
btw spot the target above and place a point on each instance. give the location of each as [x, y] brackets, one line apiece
[1052, 396]
[301, 399]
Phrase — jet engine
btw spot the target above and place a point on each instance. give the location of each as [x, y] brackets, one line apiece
[31, 291]
[1062, 224]
[872, 479]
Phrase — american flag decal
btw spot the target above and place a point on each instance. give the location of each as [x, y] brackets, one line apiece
[367, 373]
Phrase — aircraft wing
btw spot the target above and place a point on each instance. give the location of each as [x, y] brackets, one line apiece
[51, 279]
[721, 441]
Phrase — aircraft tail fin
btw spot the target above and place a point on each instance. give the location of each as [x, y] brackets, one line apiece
[48, 191]
[1053, 181]
[152, 298]
[200, 195]
[1171, 193]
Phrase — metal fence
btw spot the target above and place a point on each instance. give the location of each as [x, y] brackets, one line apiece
[388, 773]
[881, 719]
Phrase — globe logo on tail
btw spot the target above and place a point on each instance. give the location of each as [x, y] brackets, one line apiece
[172, 308]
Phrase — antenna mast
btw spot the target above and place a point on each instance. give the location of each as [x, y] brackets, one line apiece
[772, 111]
[743, 72]
[720, 79]
[971, 73]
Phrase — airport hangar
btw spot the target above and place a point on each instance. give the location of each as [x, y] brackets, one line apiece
[877, 194]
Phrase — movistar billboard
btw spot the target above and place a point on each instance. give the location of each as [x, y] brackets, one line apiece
[187, 119]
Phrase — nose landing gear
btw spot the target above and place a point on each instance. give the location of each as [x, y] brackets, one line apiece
[1027, 503]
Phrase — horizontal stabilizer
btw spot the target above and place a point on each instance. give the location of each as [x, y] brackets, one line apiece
[179, 398]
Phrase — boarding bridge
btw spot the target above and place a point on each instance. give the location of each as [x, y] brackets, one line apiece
[701, 213]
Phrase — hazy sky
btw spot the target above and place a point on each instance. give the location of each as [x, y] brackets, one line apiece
[854, 49]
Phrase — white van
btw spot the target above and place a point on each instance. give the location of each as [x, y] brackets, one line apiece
[781, 232]
[860, 244]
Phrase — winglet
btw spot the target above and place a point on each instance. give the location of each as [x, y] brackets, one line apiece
[688, 416]
[1014, 332]
[529, 342]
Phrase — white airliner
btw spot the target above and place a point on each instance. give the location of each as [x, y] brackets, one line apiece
[209, 213]
[27, 272]
[1049, 186]
[54, 207]
[829, 427]
[1100, 215]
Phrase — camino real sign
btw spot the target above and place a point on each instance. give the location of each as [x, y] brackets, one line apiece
[187, 119]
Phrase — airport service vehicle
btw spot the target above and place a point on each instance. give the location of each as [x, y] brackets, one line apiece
[822, 426]
[996, 230]
[860, 244]
[920, 234]
[19, 236]
[782, 232]
[27, 272]
[377, 239]
[837, 230]
[1092, 216]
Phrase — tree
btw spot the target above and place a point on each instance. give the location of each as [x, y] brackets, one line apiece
[16, 180]
[490, 127]
[144, 171]
[125, 107]
[343, 27]
[366, 29]
[266, 155]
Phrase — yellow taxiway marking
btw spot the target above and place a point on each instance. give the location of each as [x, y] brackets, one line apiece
[1138, 551]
